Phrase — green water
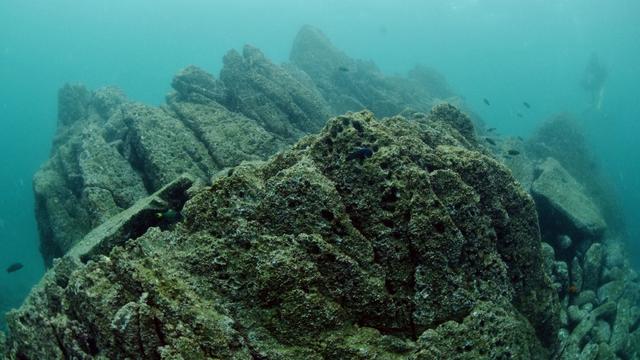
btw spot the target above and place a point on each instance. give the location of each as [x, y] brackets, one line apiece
[505, 51]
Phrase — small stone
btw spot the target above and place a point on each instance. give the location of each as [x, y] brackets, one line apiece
[589, 352]
[592, 266]
[582, 329]
[587, 307]
[585, 297]
[561, 273]
[611, 291]
[563, 241]
[564, 317]
[633, 345]
[601, 332]
[548, 257]
[614, 254]
[575, 314]
[576, 273]
[607, 310]
[605, 352]
[612, 274]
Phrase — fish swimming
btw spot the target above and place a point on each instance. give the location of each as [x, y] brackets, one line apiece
[486, 102]
[513, 152]
[360, 153]
[519, 115]
[491, 129]
[343, 69]
[14, 267]
[526, 104]
[490, 141]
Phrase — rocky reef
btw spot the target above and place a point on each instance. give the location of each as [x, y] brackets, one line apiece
[263, 215]
[109, 151]
[324, 251]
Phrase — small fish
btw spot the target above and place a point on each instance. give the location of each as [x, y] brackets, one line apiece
[513, 152]
[490, 141]
[491, 129]
[526, 104]
[343, 69]
[486, 102]
[169, 215]
[519, 115]
[360, 153]
[14, 267]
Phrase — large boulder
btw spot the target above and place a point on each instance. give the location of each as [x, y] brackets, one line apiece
[372, 239]
[563, 204]
[563, 138]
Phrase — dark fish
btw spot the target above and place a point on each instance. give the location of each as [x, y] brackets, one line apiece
[14, 267]
[360, 153]
[486, 102]
[491, 129]
[167, 218]
[490, 141]
[343, 69]
[169, 215]
[519, 115]
[513, 152]
[526, 104]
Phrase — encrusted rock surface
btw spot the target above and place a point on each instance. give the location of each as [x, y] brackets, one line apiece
[420, 247]
[110, 152]
[350, 84]
[269, 94]
[564, 203]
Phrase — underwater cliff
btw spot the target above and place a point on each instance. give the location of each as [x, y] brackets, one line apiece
[265, 215]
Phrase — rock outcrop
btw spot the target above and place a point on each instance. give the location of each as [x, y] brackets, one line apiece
[350, 84]
[372, 239]
[110, 152]
[404, 238]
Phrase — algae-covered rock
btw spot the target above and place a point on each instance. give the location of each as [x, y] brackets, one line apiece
[195, 85]
[593, 260]
[488, 333]
[563, 204]
[86, 180]
[110, 152]
[350, 85]
[271, 96]
[373, 239]
[228, 137]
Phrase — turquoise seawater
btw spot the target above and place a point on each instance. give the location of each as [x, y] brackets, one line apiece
[505, 51]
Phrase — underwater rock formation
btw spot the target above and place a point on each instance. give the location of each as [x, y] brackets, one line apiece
[405, 238]
[350, 84]
[564, 204]
[422, 247]
[109, 152]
